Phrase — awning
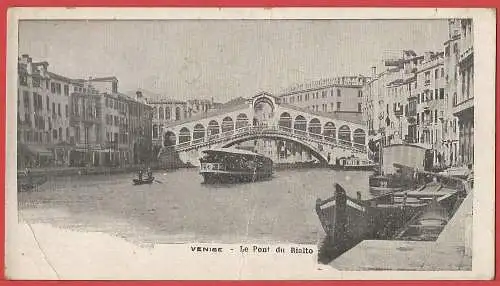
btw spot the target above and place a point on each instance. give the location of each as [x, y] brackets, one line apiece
[40, 150]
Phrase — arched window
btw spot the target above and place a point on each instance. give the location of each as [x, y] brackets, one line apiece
[199, 131]
[300, 123]
[315, 126]
[227, 124]
[241, 120]
[184, 135]
[329, 131]
[285, 120]
[359, 136]
[213, 127]
[345, 133]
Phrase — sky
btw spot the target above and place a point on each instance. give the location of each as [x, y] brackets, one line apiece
[222, 59]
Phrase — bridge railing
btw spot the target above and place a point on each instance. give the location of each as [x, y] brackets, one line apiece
[273, 129]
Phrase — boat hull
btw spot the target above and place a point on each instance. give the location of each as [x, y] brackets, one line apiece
[347, 221]
[143, 182]
[233, 177]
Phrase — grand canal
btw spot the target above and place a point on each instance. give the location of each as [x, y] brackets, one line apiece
[180, 208]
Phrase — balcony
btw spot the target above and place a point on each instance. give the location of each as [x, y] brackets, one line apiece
[464, 107]
[464, 55]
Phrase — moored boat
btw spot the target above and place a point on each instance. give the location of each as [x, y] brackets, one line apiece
[347, 221]
[234, 166]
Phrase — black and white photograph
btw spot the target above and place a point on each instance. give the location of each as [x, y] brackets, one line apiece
[250, 144]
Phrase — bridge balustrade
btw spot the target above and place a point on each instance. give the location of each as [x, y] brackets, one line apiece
[253, 130]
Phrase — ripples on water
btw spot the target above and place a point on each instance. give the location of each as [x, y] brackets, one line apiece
[179, 207]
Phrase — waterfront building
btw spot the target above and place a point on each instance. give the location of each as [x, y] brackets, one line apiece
[163, 111]
[43, 127]
[431, 103]
[388, 103]
[140, 130]
[463, 103]
[450, 124]
[77, 122]
[334, 95]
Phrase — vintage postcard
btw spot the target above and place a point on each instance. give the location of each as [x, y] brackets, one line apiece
[238, 144]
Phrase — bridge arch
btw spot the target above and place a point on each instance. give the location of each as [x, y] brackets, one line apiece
[227, 124]
[184, 135]
[345, 133]
[213, 127]
[359, 136]
[251, 137]
[198, 131]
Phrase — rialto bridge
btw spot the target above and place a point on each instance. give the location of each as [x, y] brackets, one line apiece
[321, 135]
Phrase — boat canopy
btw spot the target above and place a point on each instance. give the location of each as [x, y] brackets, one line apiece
[408, 155]
[231, 151]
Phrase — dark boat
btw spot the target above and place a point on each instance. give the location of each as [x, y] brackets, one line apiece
[227, 165]
[148, 180]
[347, 221]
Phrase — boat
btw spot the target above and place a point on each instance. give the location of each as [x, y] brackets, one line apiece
[347, 221]
[353, 164]
[148, 180]
[230, 165]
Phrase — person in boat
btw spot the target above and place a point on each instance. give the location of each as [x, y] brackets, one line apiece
[150, 173]
[140, 175]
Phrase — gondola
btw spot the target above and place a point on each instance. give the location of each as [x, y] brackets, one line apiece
[149, 180]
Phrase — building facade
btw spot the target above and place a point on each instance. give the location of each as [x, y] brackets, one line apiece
[165, 111]
[431, 103]
[463, 104]
[341, 94]
[76, 122]
[450, 125]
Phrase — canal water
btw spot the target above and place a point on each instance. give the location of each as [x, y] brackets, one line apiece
[179, 207]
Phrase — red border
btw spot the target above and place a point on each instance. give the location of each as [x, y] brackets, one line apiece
[4, 5]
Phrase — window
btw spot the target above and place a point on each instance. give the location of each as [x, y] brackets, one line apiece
[54, 133]
[323, 94]
[418, 98]
[75, 89]
[441, 93]
[114, 87]
[58, 88]
[442, 72]
[359, 107]
[338, 105]
[332, 105]
[36, 82]
[66, 89]
[338, 95]
[360, 93]
[59, 109]
[435, 116]
[66, 110]
[53, 108]
[52, 87]
[23, 80]
[431, 95]
[418, 118]
[436, 75]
